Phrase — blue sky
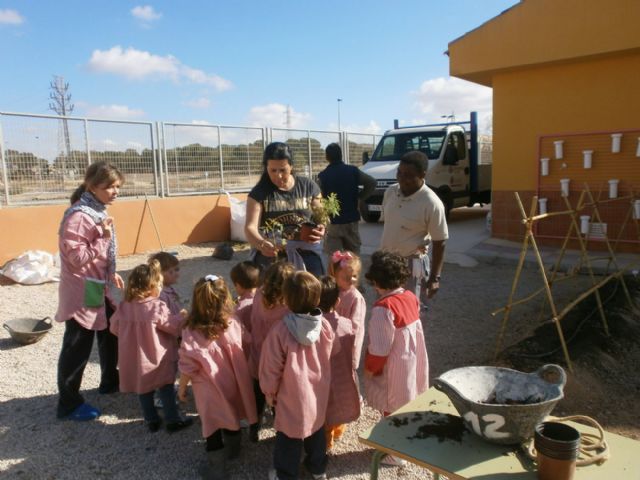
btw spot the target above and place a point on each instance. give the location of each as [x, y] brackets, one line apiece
[244, 62]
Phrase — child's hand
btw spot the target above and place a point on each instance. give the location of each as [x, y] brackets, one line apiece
[117, 281]
[184, 313]
[271, 400]
[368, 373]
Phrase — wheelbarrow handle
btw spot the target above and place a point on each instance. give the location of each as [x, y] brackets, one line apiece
[553, 370]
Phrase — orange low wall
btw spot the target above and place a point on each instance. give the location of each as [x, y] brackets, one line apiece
[179, 220]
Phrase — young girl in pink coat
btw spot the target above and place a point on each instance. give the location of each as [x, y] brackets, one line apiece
[246, 279]
[211, 358]
[88, 250]
[147, 333]
[268, 309]
[345, 268]
[396, 364]
[344, 396]
[295, 376]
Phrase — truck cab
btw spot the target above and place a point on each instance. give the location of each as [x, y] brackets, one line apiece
[452, 170]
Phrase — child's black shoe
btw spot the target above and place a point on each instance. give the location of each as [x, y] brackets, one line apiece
[179, 425]
[154, 425]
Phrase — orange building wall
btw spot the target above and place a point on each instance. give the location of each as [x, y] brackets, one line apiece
[179, 220]
[589, 96]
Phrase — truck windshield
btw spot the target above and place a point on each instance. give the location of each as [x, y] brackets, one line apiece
[392, 147]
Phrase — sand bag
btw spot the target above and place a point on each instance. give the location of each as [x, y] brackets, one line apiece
[238, 217]
[33, 267]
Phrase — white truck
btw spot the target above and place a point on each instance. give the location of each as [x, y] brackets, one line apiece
[454, 172]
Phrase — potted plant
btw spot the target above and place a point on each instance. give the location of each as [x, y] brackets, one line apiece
[321, 214]
[272, 230]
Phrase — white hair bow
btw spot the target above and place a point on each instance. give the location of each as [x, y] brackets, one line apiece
[212, 278]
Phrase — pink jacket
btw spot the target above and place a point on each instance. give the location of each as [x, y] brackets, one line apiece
[169, 296]
[353, 306]
[344, 396]
[298, 377]
[147, 334]
[262, 320]
[83, 253]
[243, 314]
[222, 386]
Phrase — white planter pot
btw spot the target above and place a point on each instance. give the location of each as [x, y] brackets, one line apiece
[584, 224]
[542, 206]
[544, 167]
[613, 188]
[615, 142]
[558, 148]
[564, 186]
[587, 156]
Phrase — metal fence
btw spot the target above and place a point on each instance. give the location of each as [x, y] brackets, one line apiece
[43, 157]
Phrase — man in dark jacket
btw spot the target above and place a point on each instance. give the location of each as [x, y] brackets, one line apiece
[345, 181]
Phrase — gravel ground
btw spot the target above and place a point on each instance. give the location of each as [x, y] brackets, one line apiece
[33, 444]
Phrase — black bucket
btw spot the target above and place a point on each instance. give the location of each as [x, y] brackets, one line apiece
[557, 440]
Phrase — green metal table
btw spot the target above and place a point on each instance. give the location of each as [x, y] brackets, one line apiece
[428, 432]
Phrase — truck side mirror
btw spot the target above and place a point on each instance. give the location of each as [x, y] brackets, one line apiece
[365, 157]
[450, 155]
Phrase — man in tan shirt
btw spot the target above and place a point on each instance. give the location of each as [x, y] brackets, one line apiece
[414, 217]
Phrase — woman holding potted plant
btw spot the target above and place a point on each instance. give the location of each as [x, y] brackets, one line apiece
[277, 207]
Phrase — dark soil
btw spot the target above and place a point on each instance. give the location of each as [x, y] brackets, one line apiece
[605, 382]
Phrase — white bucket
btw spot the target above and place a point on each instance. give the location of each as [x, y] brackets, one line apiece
[636, 209]
[542, 206]
[587, 156]
[564, 186]
[613, 188]
[558, 148]
[584, 224]
[544, 167]
[615, 142]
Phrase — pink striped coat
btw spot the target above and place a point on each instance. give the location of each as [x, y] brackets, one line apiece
[344, 396]
[401, 340]
[243, 314]
[353, 306]
[83, 253]
[147, 335]
[169, 296]
[298, 377]
[222, 386]
[262, 320]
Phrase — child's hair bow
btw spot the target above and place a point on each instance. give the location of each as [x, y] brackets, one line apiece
[341, 257]
[212, 278]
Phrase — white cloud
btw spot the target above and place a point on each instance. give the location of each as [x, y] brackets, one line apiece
[446, 96]
[10, 17]
[145, 13]
[275, 115]
[119, 112]
[202, 102]
[371, 127]
[138, 64]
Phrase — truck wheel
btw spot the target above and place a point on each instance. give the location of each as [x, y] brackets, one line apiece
[371, 217]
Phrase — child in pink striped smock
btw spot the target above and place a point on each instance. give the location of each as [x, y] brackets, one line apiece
[246, 278]
[268, 309]
[295, 376]
[344, 396]
[170, 267]
[396, 364]
[147, 333]
[345, 268]
[211, 358]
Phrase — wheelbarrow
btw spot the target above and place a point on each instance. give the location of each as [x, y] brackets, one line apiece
[28, 330]
[501, 405]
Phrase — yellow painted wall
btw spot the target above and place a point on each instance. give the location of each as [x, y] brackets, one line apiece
[535, 32]
[180, 220]
[595, 95]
